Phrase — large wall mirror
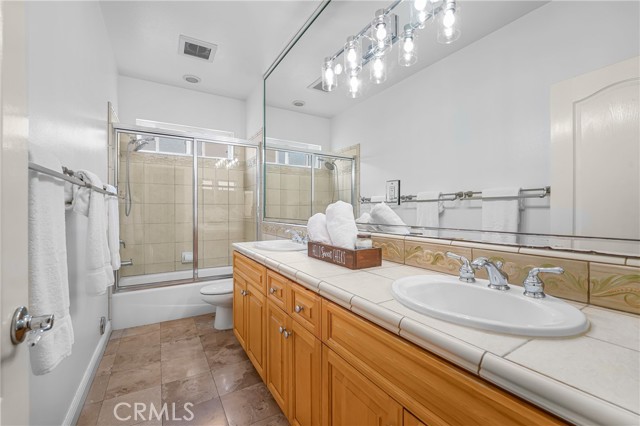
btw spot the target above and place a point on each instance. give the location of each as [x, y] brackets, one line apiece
[524, 129]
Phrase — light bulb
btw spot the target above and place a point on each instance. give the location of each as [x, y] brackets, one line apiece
[351, 56]
[381, 32]
[448, 32]
[354, 86]
[408, 45]
[338, 69]
[328, 75]
[420, 4]
[378, 70]
[329, 81]
[449, 18]
[378, 67]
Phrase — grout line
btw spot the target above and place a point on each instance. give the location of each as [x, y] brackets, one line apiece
[516, 348]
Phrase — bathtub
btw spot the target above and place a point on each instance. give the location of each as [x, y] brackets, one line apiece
[152, 305]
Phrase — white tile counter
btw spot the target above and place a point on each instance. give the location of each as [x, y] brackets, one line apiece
[593, 378]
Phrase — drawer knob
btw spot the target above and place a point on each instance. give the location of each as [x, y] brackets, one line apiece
[272, 290]
[298, 309]
[281, 329]
[287, 333]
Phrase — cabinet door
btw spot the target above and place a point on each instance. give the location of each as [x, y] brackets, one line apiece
[277, 356]
[305, 376]
[239, 311]
[256, 341]
[349, 398]
[411, 420]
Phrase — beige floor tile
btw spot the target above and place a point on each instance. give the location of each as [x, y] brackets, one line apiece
[105, 365]
[208, 413]
[235, 377]
[249, 405]
[177, 322]
[190, 347]
[112, 347]
[143, 329]
[127, 381]
[180, 368]
[194, 390]
[225, 356]
[178, 332]
[116, 334]
[109, 416]
[97, 390]
[279, 420]
[135, 343]
[89, 414]
[136, 359]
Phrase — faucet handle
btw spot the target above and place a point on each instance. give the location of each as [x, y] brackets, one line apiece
[466, 271]
[533, 285]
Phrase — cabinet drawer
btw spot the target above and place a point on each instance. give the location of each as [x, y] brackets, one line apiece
[304, 307]
[252, 271]
[277, 289]
[437, 392]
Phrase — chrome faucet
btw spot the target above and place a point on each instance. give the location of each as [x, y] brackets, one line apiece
[497, 277]
[533, 285]
[466, 271]
[296, 237]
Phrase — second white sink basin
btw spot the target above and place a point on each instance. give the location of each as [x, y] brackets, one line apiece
[280, 245]
[476, 305]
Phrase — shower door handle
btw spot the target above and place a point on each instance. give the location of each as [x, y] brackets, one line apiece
[26, 326]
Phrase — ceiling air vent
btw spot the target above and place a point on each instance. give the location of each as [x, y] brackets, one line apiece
[197, 48]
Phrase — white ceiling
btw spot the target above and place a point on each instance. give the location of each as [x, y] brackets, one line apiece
[301, 67]
[249, 35]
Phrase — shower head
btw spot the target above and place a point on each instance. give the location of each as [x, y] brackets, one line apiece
[139, 143]
[330, 165]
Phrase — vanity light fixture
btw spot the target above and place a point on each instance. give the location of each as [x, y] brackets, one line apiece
[378, 38]
[407, 52]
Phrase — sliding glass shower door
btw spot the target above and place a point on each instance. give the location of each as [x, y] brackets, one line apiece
[172, 233]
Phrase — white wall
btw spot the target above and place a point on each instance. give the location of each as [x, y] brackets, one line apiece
[71, 77]
[141, 99]
[295, 126]
[480, 117]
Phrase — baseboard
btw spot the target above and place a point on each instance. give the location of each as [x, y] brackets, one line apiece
[73, 413]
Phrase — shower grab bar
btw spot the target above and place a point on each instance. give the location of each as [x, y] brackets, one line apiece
[70, 176]
[542, 192]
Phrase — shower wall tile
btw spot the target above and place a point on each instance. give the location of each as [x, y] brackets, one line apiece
[184, 232]
[159, 233]
[236, 195]
[213, 231]
[183, 175]
[157, 268]
[136, 216]
[160, 213]
[216, 249]
[214, 263]
[158, 194]
[158, 173]
[183, 194]
[132, 234]
[180, 248]
[213, 213]
[273, 180]
[136, 173]
[134, 252]
[159, 253]
[183, 213]
[236, 178]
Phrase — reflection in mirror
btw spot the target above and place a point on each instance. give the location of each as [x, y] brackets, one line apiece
[532, 94]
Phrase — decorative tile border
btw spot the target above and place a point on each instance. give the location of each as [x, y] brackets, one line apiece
[433, 256]
[615, 287]
[392, 249]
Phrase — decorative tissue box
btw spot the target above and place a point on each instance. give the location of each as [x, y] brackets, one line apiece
[352, 259]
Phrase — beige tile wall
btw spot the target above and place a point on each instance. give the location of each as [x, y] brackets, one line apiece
[160, 227]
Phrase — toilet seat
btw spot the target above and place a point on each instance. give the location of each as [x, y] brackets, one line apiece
[217, 288]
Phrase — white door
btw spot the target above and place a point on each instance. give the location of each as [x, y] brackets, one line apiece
[14, 370]
[595, 137]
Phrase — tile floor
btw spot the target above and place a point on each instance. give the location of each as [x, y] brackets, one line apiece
[176, 362]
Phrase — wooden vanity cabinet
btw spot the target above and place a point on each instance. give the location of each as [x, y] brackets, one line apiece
[249, 309]
[326, 365]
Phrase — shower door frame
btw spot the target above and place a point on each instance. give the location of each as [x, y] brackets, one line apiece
[194, 138]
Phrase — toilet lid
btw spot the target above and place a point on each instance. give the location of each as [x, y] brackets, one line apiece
[217, 288]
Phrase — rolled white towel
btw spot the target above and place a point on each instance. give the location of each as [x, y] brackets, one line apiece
[382, 215]
[363, 220]
[342, 225]
[317, 229]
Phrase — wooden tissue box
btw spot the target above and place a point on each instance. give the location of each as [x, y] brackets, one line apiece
[352, 259]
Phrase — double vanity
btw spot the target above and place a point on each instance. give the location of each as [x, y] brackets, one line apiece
[336, 346]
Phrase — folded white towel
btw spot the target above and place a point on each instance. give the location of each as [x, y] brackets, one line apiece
[500, 215]
[77, 198]
[48, 276]
[342, 225]
[428, 214]
[382, 215]
[317, 229]
[100, 271]
[113, 227]
[363, 220]
[378, 198]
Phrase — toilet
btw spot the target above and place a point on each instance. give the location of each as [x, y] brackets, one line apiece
[220, 295]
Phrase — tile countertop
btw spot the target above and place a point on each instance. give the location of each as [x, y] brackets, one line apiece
[593, 378]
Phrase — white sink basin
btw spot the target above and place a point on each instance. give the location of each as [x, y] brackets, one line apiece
[280, 245]
[475, 305]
